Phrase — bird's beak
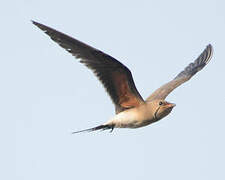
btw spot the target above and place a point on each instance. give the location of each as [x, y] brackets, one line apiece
[171, 105]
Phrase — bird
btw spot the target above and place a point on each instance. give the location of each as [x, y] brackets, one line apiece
[131, 110]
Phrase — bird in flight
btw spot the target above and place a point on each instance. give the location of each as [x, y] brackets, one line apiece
[132, 111]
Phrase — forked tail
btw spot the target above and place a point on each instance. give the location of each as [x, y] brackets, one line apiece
[101, 127]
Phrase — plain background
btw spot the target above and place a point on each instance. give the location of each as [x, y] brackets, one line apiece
[46, 94]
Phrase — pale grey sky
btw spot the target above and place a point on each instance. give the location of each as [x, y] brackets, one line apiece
[46, 94]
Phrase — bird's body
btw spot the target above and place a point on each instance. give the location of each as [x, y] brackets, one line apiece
[132, 111]
[140, 116]
[133, 118]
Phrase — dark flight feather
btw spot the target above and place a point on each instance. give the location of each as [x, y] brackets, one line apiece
[183, 76]
[116, 78]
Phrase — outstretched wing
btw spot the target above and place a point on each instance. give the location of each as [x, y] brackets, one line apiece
[116, 78]
[183, 76]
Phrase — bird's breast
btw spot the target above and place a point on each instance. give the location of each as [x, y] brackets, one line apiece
[133, 118]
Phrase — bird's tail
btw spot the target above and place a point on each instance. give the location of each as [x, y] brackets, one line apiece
[101, 127]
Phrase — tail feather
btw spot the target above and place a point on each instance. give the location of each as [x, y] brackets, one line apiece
[101, 127]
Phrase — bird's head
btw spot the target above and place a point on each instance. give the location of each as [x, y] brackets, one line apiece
[162, 108]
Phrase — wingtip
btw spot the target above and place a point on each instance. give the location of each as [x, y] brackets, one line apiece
[209, 49]
[33, 22]
[37, 23]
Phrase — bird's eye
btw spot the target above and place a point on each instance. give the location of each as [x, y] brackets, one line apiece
[160, 103]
